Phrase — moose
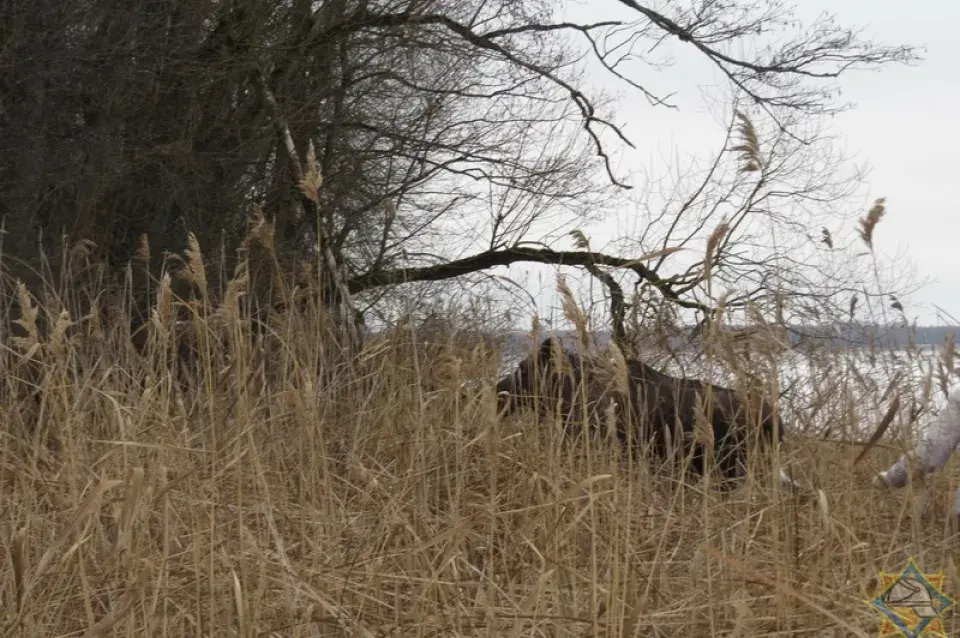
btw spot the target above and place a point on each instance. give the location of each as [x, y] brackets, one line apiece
[657, 409]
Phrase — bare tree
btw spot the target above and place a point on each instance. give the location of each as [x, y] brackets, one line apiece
[447, 137]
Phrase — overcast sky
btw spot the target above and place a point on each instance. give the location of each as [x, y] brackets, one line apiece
[906, 125]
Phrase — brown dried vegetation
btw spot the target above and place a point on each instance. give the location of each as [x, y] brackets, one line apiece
[281, 491]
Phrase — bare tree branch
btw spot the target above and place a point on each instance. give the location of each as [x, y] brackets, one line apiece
[618, 305]
[508, 256]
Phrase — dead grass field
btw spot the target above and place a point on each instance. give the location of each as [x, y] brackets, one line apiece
[263, 498]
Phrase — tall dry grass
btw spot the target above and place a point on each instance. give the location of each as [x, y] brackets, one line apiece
[256, 485]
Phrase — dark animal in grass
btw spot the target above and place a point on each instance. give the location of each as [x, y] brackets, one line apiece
[655, 408]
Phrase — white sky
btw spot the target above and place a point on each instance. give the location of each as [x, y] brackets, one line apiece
[906, 125]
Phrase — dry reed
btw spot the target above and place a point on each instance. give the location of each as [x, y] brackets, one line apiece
[262, 488]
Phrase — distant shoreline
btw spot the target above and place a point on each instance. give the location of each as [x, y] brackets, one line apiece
[848, 336]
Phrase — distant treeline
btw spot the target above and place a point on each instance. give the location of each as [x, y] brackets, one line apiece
[840, 335]
[883, 336]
